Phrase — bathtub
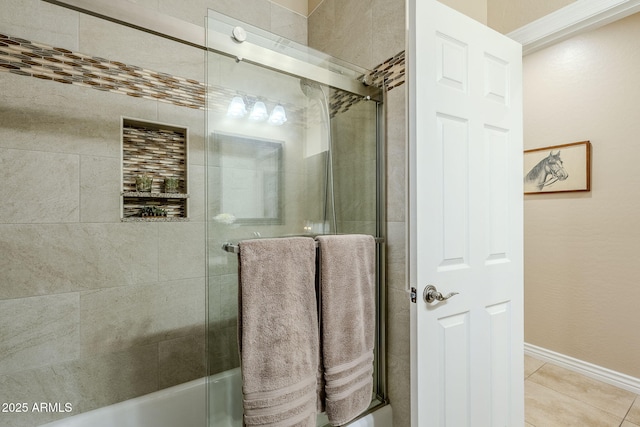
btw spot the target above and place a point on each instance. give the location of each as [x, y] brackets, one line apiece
[184, 405]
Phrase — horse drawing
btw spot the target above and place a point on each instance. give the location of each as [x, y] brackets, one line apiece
[548, 171]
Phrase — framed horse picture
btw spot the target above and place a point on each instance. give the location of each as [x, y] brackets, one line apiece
[557, 169]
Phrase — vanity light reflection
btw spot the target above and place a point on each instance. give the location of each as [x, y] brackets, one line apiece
[258, 112]
[237, 109]
[278, 116]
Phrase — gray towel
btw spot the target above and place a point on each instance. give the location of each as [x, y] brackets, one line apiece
[347, 289]
[278, 332]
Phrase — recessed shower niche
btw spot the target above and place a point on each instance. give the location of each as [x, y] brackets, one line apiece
[154, 171]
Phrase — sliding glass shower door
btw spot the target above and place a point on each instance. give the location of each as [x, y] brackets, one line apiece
[287, 154]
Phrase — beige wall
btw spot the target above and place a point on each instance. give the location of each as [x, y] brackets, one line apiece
[581, 268]
[476, 9]
[505, 16]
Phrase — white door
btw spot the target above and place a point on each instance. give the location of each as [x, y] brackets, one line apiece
[465, 233]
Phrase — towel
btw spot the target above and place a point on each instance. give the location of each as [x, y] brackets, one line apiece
[278, 332]
[348, 305]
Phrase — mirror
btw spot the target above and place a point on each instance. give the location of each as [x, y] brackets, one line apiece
[250, 179]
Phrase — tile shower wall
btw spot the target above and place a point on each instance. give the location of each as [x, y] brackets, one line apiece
[93, 310]
[96, 311]
[367, 32]
[27, 58]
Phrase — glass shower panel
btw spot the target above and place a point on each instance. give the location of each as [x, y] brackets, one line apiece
[285, 156]
[264, 180]
[355, 164]
[258, 171]
[222, 24]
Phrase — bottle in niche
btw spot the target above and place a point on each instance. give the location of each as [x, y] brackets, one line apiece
[143, 183]
[171, 185]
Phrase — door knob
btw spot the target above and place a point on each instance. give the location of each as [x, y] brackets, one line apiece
[431, 294]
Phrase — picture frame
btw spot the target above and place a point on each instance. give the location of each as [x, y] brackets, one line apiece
[558, 168]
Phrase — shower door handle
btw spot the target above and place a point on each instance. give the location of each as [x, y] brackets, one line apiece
[431, 294]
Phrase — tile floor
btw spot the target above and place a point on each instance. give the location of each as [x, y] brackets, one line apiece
[557, 397]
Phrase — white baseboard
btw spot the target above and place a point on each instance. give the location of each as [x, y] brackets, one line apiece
[587, 369]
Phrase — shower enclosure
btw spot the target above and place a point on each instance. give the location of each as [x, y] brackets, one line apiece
[102, 307]
[293, 148]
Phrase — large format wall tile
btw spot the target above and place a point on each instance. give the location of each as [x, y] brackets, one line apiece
[321, 27]
[38, 331]
[288, 24]
[38, 187]
[396, 255]
[254, 12]
[398, 339]
[99, 189]
[181, 251]
[388, 20]
[48, 116]
[196, 194]
[354, 17]
[181, 359]
[357, 227]
[131, 316]
[86, 384]
[228, 313]
[40, 21]
[222, 352]
[114, 377]
[112, 41]
[344, 30]
[355, 164]
[396, 152]
[193, 11]
[399, 388]
[52, 258]
[398, 356]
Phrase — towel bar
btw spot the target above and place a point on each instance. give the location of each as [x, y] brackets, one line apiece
[235, 249]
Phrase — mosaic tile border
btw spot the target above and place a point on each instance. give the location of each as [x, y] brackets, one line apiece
[391, 73]
[27, 58]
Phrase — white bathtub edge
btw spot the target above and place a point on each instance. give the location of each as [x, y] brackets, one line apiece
[130, 407]
[382, 417]
[184, 405]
